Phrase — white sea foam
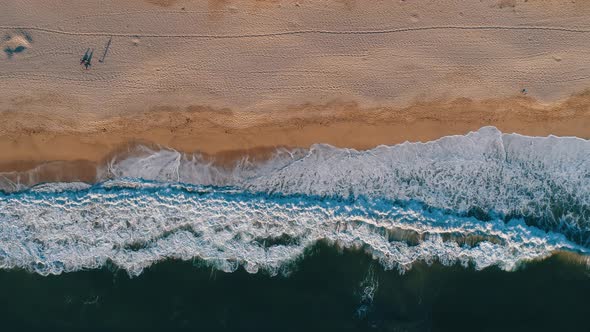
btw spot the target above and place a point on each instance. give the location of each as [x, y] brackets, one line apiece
[8, 184]
[134, 224]
[55, 187]
[546, 178]
[58, 227]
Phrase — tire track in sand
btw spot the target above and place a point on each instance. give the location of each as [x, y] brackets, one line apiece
[301, 32]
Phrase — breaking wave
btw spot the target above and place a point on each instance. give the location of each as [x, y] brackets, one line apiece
[545, 180]
[133, 224]
[484, 199]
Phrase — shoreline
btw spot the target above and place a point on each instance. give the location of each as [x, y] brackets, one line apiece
[27, 140]
[51, 150]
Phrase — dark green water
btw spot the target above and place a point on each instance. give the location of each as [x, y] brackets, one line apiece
[323, 293]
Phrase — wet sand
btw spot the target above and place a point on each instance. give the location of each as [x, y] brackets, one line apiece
[38, 152]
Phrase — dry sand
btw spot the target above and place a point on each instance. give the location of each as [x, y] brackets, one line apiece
[243, 76]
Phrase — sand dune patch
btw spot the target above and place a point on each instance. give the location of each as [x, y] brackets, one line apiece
[15, 43]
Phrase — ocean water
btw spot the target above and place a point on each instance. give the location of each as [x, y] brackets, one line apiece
[483, 205]
[330, 289]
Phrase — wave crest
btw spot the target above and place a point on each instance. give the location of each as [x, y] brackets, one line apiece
[134, 224]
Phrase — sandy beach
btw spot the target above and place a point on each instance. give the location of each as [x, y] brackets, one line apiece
[230, 78]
